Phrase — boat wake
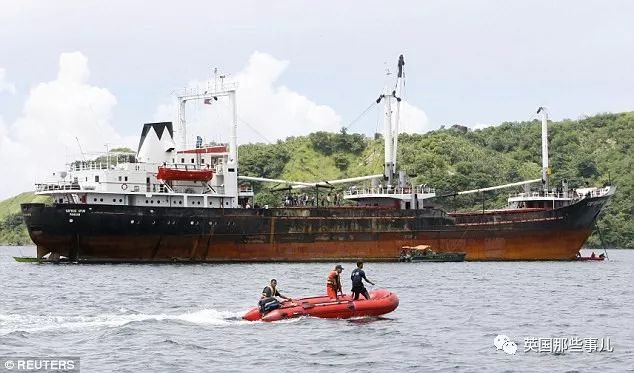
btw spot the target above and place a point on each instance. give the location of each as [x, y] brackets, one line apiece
[12, 323]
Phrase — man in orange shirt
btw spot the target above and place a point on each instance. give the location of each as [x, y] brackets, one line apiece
[334, 283]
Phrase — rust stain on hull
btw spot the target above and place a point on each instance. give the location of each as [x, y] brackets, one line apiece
[555, 246]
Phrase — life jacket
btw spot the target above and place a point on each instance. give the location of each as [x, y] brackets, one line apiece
[333, 280]
[273, 290]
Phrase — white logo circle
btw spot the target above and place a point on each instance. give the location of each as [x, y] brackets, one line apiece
[510, 348]
[9, 364]
[500, 340]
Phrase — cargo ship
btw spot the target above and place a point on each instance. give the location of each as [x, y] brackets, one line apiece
[175, 203]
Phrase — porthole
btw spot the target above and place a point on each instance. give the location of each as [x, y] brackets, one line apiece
[120, 200]
[180, 202]
[114, 200]
[132, 221]
[191, 222]
[70, 220]
[152, 201]
[95, 199]
[100, 199]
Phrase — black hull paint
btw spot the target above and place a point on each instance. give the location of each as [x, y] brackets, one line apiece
[103, 233]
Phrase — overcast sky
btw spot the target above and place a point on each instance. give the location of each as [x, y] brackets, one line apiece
[97, 70]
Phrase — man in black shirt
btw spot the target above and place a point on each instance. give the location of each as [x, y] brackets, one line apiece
[268, 302]
[357, 277]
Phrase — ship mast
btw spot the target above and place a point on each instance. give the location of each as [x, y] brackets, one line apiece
[230, 181]
[398, 94]
[545, 168]
[390, 134]
[228, 90]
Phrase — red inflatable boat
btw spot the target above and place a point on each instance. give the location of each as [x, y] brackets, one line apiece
[381, 302]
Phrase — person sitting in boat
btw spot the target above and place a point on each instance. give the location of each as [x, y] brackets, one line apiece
[333, 284]
[592, 255]
[268, 300]
[602, 256]
[357, 277]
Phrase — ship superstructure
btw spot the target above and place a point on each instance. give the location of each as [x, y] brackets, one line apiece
[160, 174]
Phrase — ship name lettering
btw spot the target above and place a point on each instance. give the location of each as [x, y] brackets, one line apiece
[75, 212]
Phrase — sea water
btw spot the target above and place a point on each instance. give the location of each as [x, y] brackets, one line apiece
[166, 318]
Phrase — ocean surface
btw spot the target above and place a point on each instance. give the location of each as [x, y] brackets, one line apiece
[168, 318]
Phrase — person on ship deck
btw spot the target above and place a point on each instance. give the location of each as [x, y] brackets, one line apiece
[333, 284]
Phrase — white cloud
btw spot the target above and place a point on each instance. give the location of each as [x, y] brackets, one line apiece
[413, 119]
[54, 114]
[267, 110]
[5, 86]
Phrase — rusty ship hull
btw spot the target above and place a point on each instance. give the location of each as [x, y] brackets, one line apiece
[102, 233]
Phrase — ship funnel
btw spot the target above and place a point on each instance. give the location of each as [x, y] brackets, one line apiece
[157, 143]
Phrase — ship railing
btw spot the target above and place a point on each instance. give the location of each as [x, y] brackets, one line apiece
[570, 194]
[594, 192]
[421, 189]
[88, 166]
[45, 187]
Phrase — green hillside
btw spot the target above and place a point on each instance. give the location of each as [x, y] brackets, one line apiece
[589, 151]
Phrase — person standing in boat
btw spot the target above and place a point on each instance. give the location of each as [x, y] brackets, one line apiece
[357, 277]
[268, 301]
[333, 284]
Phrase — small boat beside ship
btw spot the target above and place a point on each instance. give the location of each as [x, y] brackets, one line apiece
[381, 302]
[592, 257]
[424, 253]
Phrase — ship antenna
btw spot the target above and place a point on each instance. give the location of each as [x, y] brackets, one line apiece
[545, 168]
[80, 149]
